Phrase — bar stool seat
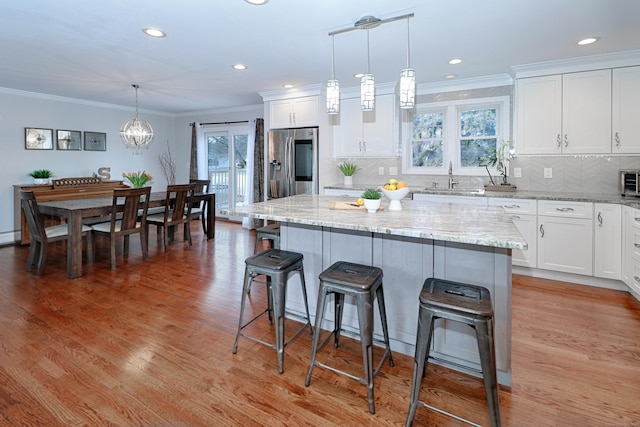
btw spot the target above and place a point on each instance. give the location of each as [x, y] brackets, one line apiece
[277, 265]
[364, 283]
[269, 232]
[464, 303]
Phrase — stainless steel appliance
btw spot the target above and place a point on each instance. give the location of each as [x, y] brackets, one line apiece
[629, 182]
[293, 162]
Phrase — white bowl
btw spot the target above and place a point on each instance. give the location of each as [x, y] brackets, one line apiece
[395, 197]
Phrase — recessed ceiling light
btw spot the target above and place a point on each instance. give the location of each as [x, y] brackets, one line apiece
[455, 61]
[588, 40]
[257, 2]
[239, 67]
[154, 32]
[450, 76]
[287, 86]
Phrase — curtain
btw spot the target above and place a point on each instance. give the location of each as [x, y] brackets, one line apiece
[193, 163]
[255, 169]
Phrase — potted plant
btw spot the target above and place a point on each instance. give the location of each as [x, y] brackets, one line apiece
[137, 179]
[348, 170]
[499, 158]
[372, 199]
[41, 176]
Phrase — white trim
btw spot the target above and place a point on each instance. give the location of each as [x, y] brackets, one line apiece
[465, 84]
[296, 92]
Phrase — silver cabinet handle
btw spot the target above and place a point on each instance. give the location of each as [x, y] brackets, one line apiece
[564, 209]
[637, 219]
[637, 245]
[360, 146]
[617, 139]
[541, 230]
[512, 206]
[515, 217]
[566, 140]
[636, 278]
[290, 118]
[599, 219]
[558, 141]
[294, 117]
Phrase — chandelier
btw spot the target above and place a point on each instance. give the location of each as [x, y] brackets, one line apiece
[136, 133]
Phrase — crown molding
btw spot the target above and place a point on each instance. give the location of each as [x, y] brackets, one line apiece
[296, 92]
[465, 84]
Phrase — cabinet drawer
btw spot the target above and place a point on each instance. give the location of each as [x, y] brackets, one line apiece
[635, 219]
[565, 209]
[515, 206]
[342, 192]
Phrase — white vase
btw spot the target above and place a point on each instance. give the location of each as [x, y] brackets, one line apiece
[372, 205]
[40, 181]
[348, 180]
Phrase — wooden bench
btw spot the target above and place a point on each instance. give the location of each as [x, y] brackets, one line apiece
[61, 189]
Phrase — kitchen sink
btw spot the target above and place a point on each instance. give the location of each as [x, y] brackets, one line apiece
[455, 190]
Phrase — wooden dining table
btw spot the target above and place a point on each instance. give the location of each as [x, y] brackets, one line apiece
[75, 211]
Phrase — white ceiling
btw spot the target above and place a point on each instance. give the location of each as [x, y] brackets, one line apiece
[95, 50]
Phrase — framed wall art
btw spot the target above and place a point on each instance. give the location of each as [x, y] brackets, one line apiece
[38, 139]
[95, 141]
[68, 139]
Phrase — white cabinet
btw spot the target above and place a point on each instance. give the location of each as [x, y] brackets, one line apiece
[445, 198]
[565, 236]
[631, 249]
[294, 112]
[607, 240]
[367, 134]
[626, 110]
[524, 215]
[567, 113]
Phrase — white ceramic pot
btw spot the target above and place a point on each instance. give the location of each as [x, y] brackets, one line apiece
[372, 205]
[40, 181]
[348, 180]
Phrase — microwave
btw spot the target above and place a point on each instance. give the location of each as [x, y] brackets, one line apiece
[629, 182]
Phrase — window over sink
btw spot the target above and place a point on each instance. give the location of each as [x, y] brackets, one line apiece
[457, 132]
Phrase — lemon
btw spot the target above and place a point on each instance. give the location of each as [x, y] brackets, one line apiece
[393, 181]
[360, 201]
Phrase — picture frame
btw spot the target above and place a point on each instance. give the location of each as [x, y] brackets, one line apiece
[95, 141]
[68, 140]
[38, 139]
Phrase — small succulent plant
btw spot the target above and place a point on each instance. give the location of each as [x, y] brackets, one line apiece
[371, 194]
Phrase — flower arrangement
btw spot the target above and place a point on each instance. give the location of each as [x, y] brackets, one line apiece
[137, 179]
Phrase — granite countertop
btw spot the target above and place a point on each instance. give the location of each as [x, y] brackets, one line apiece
[476, 225]
[536, 195]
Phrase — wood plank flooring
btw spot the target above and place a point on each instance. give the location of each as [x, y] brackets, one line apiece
[150, 345]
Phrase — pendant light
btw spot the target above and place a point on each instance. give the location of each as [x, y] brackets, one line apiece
[367, 85]
[333, 85]
[408, 80]
[136, 133]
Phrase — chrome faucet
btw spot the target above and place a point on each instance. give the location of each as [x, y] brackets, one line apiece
[451, 181]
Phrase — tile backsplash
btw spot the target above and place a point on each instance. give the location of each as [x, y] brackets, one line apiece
[596, 174]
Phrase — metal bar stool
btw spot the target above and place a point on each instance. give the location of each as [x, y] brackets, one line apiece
[364, 283]
[277, 265]
[269, 232]
[464, 303]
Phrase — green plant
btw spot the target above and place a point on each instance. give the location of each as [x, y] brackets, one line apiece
[371, 194]
[137, 179]
[41, 173]
[348, 169]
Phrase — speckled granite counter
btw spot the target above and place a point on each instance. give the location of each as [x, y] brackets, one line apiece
[470, 244]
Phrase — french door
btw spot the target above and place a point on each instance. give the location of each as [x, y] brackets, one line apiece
[227, 166]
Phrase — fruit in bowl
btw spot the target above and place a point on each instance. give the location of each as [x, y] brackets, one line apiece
[395, 190]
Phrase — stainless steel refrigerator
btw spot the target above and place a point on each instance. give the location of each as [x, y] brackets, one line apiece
[293, 162]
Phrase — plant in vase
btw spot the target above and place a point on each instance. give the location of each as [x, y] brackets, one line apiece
[348, 170]
[41, 176]
[372, 199]
[137, 179]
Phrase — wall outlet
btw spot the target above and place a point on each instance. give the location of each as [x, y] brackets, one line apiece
[548, 172]
[381, 170]
[393, 170]
[517, 172]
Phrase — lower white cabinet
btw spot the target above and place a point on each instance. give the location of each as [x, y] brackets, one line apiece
[607, 240]
[565, 236]
[631, 249]
[524, 215]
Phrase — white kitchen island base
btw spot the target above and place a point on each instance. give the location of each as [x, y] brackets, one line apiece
[406, 263]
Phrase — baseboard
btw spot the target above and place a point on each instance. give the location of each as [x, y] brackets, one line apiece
[571, 278]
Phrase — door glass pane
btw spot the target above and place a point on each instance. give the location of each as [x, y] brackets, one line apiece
[218, 161]
[240, 168]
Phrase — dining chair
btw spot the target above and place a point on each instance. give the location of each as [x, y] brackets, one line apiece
[177, 210]
[41, 236]
[128, 216]
[198, 209]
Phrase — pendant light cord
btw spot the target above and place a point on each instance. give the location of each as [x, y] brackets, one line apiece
[333, 57]
[408, 44]
[368, 55]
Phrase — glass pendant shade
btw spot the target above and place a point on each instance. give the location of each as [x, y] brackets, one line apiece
[367, 92]
[333, 96]
[408, 88]
[136, 133]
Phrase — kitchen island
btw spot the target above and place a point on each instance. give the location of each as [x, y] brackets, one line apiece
[470, 244]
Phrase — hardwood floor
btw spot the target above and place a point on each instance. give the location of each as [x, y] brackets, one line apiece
[150, 344]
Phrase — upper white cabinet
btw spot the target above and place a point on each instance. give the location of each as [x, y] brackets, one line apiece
[367, 134]
[567, 113]
[294, 112]
[626, 110]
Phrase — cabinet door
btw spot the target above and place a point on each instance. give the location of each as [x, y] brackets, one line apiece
[281, 114]
[626, 110]
[305, 111]
[586, 112]
[631, 246]
[565, 244]
[539, 115]
[607, 235]
[526, 225]
[348, 134]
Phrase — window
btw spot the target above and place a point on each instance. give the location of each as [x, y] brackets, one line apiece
[462, 133]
